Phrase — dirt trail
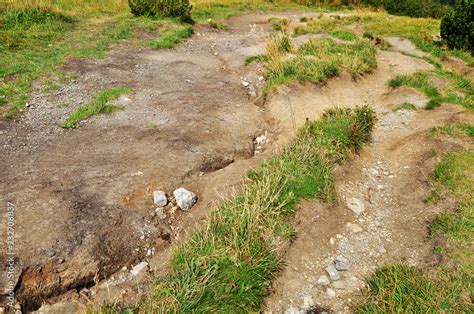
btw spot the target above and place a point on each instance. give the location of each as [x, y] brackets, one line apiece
[84, 197]
[388, 184]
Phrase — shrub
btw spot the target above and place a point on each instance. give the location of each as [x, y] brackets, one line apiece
[457, 26]
[413, 8]
[162, 8]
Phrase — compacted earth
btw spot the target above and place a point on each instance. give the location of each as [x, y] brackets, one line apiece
[86, 227]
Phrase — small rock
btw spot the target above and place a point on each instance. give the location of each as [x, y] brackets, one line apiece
[251, 91]
[323, 280]
[332, 272]
[139, 270]
[160, 199]
[354, 228]
[330, 293]
[261, 140]
[340, 265]
[184, 199]
[245, 83]
[356, 205]
[308, 301]
[382, 250]
[339, 285]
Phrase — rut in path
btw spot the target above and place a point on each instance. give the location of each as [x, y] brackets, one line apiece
[390, 180]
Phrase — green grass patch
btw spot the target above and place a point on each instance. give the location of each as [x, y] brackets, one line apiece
[217, 25]
[404, 289]
[278, 23]
[457, 90]
[97, 106]
[316, 61]
[343, 34]
[228, 264]
[455, 130]
[251, 59]
[34, 41]
[406, 106]
[172, 37]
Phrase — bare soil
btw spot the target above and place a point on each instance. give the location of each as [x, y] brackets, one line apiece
[83, 197]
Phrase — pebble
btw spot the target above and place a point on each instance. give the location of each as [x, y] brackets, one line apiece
[382, 250]
[340, 265]
[354, 228]
[339, 285]
[332, 272]
[356, 205]
[323, 280]
[160, 199]
[308, 301]
[330, 293]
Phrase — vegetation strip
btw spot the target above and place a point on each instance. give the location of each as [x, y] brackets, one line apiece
[455, 88]
[228, 264]
[315, 61]
[99, 105]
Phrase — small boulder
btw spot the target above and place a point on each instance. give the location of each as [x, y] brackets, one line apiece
[160, 199]
[340, 265]
[184, 199]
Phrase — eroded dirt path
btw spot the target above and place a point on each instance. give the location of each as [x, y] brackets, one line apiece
[380, 216]
[84, 197]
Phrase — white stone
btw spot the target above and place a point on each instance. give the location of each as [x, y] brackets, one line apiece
[330, 293]
[184, 199]
[139, 270]
[160, 199]
[308, 301]
[323, 280]
[261, 140]
[356, 205]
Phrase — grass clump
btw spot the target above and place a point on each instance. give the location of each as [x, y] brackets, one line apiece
[316, 61]
[278, 23]
[406, 106]
[220, 26]
[228, 264]
[343, 34]
[456, 89]
[172, 37]
[401, 288]
[97, 106]
[455, 130]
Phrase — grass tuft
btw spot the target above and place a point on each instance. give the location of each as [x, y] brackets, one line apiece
[457, 89]
[97, 106]
[227, 265]
[343, 34]
[404, 289]
[317, 60]
[455, 130]
[172, 37]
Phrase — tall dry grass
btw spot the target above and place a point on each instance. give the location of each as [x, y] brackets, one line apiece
[71, 6]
